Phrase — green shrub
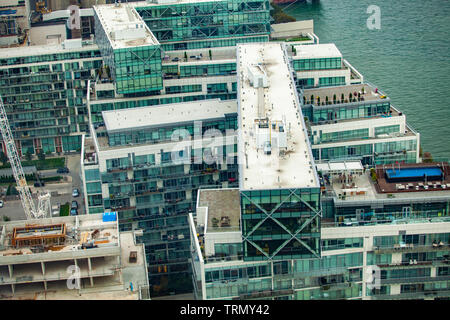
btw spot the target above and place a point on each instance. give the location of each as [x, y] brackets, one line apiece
[64, 210]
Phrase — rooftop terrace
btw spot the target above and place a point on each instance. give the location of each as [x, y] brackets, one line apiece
[274, 150]
[223, 207]
[333, 95]
[352, 184]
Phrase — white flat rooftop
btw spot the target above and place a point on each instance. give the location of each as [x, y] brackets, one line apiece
[142, 4]
[124, 26]
[158, 116]
[316, 51]
[27, 51]
[285, 167]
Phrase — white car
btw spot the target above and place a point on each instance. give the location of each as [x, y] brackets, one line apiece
[1, 203]
[75, 193]
[55, 210]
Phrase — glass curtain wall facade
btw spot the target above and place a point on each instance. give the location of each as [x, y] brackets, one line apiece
[281, 224]
[316, 64]
[155, 192]
[45, 98]
[185, 26]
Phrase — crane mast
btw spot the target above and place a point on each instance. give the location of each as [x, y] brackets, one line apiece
[16, 166]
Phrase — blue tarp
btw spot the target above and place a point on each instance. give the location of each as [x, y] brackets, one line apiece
[109, 216]
[2, 12]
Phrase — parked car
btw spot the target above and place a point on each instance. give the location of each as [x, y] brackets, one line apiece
[1, 203]
[176, 59]
[74, 205]
[39, 184]
[75, 193]
[63, 170]
[267, 148]
[55, 209]
[73, 212]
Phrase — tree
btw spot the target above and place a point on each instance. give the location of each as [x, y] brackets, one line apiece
[28, 155]
[3, 158]
[6, 218]
[41, 156]
[427, 157]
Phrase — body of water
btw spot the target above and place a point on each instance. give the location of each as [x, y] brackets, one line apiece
[408, 57]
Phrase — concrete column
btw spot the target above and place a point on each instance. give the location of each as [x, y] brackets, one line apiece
[433, 272]
[157, 159]
[367, 245]
[89, 265]
[43, 268]
[45, 285]
[13, 288]
[395, 289]
[396, 258]
[10, 269]
[92, 281]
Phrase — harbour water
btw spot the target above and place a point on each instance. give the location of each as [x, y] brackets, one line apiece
[408, 57]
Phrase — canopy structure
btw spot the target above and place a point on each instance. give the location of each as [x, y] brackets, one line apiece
[350, 167]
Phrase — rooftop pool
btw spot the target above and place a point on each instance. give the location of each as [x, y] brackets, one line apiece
[414, 173]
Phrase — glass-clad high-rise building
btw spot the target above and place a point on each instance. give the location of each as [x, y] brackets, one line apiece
[345, 232]
[129, 49]
[279, 190]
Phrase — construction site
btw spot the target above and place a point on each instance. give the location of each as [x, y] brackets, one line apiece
[79, 257]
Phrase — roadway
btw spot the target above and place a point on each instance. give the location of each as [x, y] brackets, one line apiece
[14, 210]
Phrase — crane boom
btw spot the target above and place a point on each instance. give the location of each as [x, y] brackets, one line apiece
[16, 166]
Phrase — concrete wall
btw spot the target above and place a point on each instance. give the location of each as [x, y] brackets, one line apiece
[292, 29]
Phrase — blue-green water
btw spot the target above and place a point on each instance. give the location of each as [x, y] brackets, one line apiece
[408, 58]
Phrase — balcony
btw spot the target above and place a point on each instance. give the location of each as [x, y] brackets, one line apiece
[414, 280]
[414, 264]
[266, 294]
[409, 247]
[413, 295]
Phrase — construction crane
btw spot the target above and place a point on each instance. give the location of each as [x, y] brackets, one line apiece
[22, 187]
